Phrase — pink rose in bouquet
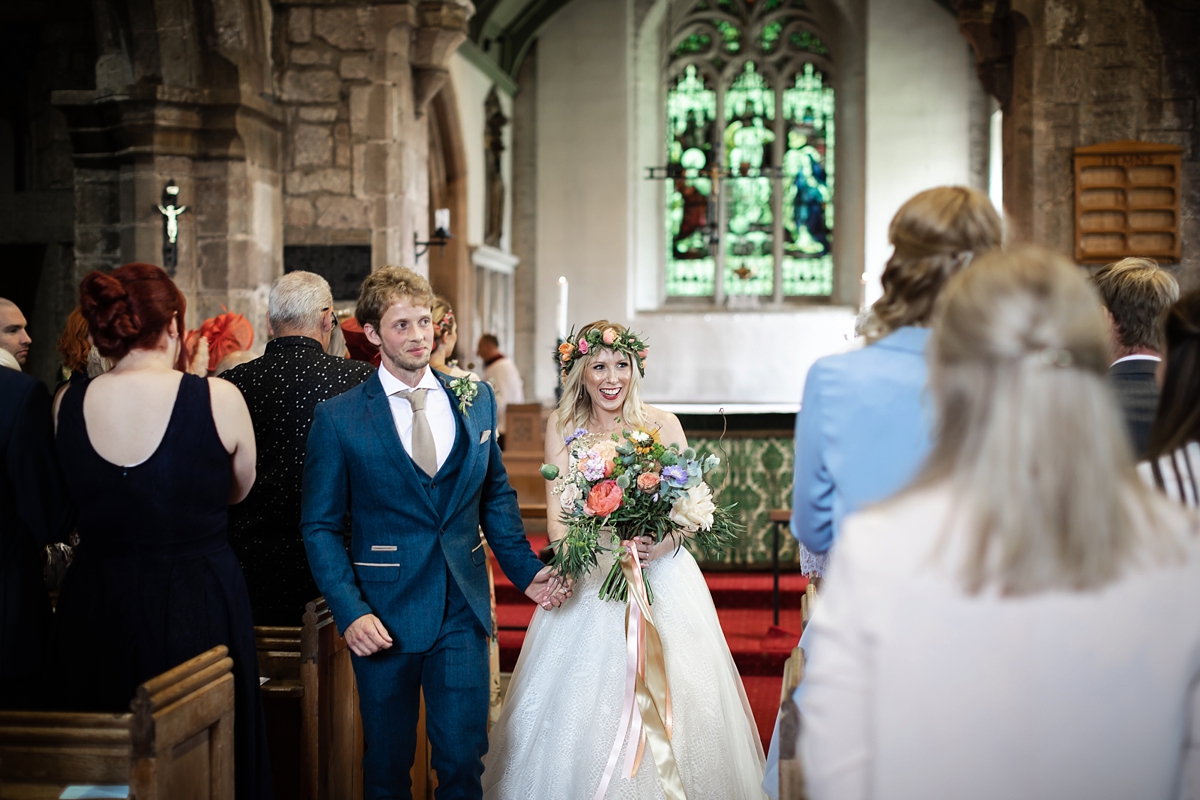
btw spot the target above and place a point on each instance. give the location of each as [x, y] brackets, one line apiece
[648, 482]
[604, 498]
[583, 347]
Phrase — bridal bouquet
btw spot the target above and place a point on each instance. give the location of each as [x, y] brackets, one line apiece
[625, 485]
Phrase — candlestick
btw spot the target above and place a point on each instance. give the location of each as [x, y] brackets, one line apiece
[562, 308]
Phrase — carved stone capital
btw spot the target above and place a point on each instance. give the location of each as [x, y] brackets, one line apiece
[988, 26]
[441, 28]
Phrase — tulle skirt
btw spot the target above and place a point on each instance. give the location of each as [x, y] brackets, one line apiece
[564, 703]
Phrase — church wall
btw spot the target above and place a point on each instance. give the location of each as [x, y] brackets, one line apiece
[355, 146]
[590, 222]
[1092, 71]
[471, 88]
[919, 100]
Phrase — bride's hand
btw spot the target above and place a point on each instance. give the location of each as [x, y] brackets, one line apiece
[648, 550]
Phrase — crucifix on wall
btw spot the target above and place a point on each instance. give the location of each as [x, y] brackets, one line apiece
[171, 211]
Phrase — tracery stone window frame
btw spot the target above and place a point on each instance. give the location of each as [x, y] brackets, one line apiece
[716, 40]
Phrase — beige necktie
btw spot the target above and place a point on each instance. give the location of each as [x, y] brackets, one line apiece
[424, 451]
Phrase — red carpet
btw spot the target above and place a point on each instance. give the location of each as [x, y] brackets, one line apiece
[743, 601]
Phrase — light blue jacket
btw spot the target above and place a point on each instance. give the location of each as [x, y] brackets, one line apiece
[862, 433]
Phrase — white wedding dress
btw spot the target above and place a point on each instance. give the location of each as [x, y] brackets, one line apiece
[564, 703]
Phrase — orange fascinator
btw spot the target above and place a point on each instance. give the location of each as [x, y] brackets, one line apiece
[226, 333]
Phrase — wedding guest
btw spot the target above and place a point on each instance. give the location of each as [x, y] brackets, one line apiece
[34, 511]
[863, 426]
[14, 331]
[1173, 452]
[1136, 293]
[1048, 640]
[223, 334]
[282, 387]
[445, 339]
[337, 340]
[502, 374]
[73, 346]
[152, 458]
[231, 360]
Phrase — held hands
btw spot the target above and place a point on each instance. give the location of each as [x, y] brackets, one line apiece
[548, 589]
[366, 635]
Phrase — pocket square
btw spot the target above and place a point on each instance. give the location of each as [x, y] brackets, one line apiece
[483, 437]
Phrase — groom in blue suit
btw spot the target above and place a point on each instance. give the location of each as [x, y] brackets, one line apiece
[414, 460]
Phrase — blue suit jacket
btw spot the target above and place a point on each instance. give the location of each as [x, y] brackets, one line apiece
[862, 433]
[400, 544]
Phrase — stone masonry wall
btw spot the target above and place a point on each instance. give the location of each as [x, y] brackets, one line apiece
[354, 149]
[1093, 71]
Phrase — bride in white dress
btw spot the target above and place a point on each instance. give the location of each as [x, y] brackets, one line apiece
[564, 703]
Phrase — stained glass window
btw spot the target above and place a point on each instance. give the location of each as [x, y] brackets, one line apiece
[749, 142]
[808, 185]
[691, 116]
[750, 152]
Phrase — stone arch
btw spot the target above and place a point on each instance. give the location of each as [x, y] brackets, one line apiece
[450, 269]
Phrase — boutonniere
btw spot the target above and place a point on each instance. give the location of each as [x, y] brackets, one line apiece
[465, 390]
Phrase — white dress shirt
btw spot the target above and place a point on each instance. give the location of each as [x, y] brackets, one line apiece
[437, 411]
[505, 378]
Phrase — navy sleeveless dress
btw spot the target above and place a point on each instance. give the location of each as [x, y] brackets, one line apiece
[154, 581]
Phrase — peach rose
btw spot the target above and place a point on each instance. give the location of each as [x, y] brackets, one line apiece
[607, 450]
[643, 353]
[565, 349]
[609, 336]
[648, 482]
[604, 498]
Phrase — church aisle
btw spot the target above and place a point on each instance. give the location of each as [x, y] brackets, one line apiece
[743, 601]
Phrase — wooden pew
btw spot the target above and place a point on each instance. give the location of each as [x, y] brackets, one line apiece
[524, 450]
[791, 768]
[176, 742]
[311, 701]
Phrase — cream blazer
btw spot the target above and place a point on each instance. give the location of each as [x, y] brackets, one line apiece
[915, 690]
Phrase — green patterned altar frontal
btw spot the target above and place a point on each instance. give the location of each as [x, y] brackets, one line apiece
[757, 475]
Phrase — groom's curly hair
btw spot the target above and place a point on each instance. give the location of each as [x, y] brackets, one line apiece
[386, 286]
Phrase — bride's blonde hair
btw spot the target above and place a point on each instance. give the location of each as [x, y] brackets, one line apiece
[575, 407]
[1030, 439]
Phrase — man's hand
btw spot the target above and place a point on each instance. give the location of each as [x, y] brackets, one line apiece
[548, 589]
[366, 635]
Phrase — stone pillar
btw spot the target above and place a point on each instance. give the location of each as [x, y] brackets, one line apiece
[355, 80]
[1069, 73]
[221, 149]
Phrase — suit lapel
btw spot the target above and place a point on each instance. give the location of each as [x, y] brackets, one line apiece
[471, 454]
[380, 412]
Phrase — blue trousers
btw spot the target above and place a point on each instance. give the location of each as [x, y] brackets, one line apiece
[454, 674]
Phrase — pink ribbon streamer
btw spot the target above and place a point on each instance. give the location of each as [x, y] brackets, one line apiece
[630, 712]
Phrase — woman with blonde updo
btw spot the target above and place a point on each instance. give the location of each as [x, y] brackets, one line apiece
[445, 339]
[864, 422]
[1024, 620]
[563, 710]
[152, 457]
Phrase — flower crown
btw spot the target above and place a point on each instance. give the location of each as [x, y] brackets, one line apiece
[576, 347]
[445, 324]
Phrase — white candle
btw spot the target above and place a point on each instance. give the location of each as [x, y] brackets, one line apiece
[441, 220]
[562, 308]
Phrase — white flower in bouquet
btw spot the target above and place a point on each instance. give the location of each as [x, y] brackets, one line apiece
[694, 509]
[570, 494]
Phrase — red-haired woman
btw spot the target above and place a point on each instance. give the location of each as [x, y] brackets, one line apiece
[152, 457]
